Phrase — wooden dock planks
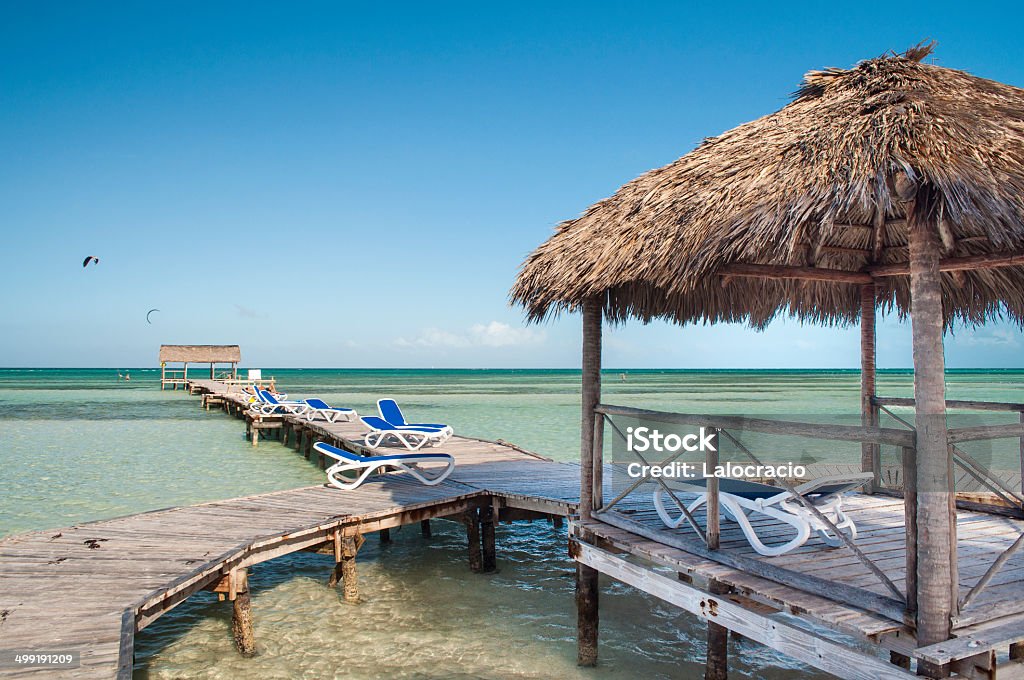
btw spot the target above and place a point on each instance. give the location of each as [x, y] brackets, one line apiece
[60, 593]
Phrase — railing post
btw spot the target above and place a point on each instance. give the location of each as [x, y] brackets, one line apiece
[598, 462]
[910, 516]
[712, 528]
[1022, 455]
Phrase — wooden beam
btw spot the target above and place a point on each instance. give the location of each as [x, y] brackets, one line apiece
[773, 271]
[793, 641]
[988, 261]
[937, 580]
[848, 433]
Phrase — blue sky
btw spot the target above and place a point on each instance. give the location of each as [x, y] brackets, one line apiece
[388, 167]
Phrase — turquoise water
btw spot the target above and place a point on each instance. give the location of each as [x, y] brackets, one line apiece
[78, 445]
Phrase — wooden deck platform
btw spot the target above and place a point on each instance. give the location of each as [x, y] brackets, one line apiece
[91, 586]
[815, 574]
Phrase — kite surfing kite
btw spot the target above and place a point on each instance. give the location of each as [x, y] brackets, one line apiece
[91, 258]
[147, 316]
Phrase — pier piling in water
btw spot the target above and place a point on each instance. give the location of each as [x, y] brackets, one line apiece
[471, 519]
[586, 615]
[425, 528]
[717, 667]
[345, 550]
[490, 562]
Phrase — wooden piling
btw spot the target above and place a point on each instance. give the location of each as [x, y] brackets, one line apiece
[241, 612]
[241, 625]
[591, 393]
[385, 535]
[472, 521]
[869, 452]
[901, 660]
[345, 550]
[425, 528]
[937, 580]
[490, 562]
[717, 667]
[587, 615]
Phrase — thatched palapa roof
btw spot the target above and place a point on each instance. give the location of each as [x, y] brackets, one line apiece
[201, 354]
[817, 184]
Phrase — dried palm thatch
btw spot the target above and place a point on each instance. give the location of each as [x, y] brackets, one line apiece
[201, 354]
[820, 183]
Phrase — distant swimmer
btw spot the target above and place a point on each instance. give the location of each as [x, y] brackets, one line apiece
[91, 258]
[622, 376]
[127, 376]
[119, 376]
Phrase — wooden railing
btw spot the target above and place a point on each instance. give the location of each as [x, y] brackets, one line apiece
[726, 426]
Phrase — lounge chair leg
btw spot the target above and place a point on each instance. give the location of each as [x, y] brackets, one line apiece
[425, 528]
[490, 562]
[586, 615]
[717, 667]
[472, 521]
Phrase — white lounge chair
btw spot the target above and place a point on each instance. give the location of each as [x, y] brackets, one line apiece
[412, 438]
[269, 405]
[331, 414]
[364, 466]
[737, 498]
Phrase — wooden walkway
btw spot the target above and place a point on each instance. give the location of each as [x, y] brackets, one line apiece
[90, 587]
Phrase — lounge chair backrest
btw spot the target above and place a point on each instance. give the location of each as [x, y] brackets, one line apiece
[390, 412]
[269, 398]
[317, 403]
[377, 423]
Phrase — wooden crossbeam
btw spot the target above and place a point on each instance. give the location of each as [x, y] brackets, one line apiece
[952, 265]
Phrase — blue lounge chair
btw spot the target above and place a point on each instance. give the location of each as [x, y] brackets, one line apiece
[390, 412]
[331, 414]
[412, 438]
[364, 466]
[269, 405]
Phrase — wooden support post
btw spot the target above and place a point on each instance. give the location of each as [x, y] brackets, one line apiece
[712, 530]
[717, 667]
[241, 625]
[425, 528]
[1017, 651]
[1022, 456]
[587, 617]
[591, 393]
[489, 562]
[901, 660]
[255, 432]
[345, 550]
[241, 614]
[557, 522]
[184, 375]
[385, 536]
[937, 582]
[211, 371]
[870, 453]
[910, 517]
[471, 519]
[598, 460]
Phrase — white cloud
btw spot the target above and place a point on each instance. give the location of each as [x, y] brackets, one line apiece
[998, 337]
[493, 334]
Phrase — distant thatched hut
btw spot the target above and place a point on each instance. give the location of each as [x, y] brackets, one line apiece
[890, 183]
[195, 354]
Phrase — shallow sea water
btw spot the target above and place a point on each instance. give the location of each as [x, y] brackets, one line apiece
[78, 445]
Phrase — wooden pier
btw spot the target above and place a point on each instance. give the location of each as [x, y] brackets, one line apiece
[90, 587]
